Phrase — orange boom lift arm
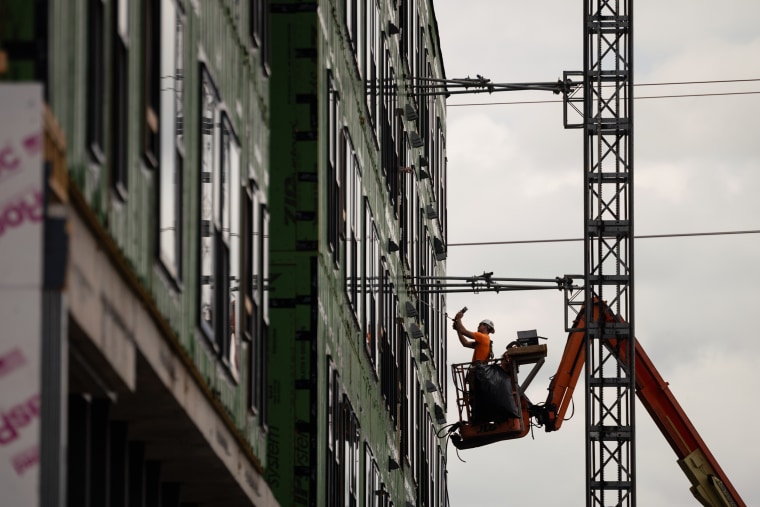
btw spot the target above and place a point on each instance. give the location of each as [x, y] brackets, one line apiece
[710, 485]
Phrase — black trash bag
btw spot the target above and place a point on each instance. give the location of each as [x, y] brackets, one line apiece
[491, 397]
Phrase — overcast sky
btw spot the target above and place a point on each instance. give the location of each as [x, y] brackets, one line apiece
[516, 174]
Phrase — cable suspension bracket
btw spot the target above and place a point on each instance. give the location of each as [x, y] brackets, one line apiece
[486, 282]
[429, 86]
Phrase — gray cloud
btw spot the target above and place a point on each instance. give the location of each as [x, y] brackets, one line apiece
[515, 174]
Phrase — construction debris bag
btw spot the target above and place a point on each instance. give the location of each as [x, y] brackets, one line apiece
[491, 397]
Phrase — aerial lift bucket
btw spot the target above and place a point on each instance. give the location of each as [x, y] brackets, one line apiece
[501, 411]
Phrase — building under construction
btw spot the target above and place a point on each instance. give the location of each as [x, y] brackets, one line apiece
[214, 216]
[356, 354]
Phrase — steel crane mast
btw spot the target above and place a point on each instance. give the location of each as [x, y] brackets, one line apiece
[605, 104]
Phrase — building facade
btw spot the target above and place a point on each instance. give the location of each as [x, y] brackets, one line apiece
[157, 138]
[244, 214]
[358, 233]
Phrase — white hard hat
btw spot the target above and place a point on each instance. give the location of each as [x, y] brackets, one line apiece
[488, 323]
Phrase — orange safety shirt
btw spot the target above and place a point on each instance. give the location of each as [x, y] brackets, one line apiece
[482, 346]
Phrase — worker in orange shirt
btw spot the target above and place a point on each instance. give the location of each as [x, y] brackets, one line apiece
[479, 340]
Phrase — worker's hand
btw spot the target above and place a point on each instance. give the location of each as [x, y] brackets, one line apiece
[457, 320]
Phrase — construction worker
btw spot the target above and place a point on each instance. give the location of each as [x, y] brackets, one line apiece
[479, 340]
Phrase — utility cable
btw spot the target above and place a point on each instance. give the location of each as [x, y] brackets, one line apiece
[645, 236]
[697, 82]
[671, 83]
[520, 102]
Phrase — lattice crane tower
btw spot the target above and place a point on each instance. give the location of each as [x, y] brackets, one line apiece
[606, 97]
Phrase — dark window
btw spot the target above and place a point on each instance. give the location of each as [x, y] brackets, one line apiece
[425, 248]
[257, 242]
[344, 161]
[405, 190]
[403, 13]
[259, 27]
[334, 216]
[407, 395]
[407, 212]
[153, 48]
[263, 408]
[423, 499]
[119, 104]
[350, 462]
[413, 393]
[343, 452]
[265, 261]
[408, 21]
[252, 273]
[371, 479]
[264, 309]
[420, 62]
[353, 212]
[389, 367]
[352, 19]
[221, 302]
[390, 123]
[96, 79]
[438, 173]
[442, 358]
[443, 497]
[335, 440]
[372, 283]
[373, 77]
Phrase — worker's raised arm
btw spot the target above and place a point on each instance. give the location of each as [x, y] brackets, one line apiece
[462, 331]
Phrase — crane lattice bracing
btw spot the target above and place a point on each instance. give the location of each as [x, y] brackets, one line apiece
[607, 121]
[605, 104]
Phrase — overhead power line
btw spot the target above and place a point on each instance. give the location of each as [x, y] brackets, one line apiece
[565, 240]
[673, 83]
[669, 83]
[675, 96]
